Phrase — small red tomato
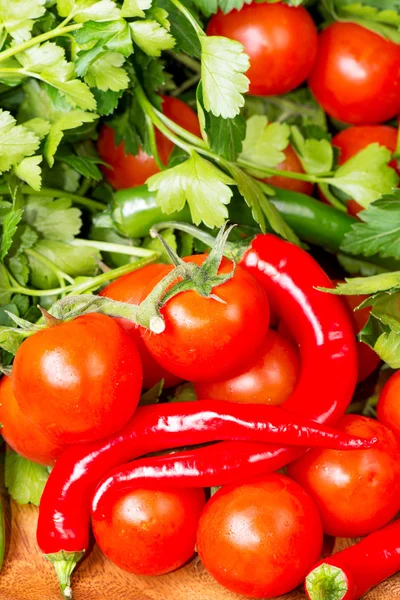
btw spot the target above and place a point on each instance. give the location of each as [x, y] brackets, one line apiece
[270, 379]
[150, 532]
[260, 539]
[130, 288]
[388, 409]
[280, 40]
[128, 170]
[356, 77]
[354, 139]
[20, 434]
[204, 339]
[80, 380]
[291, 164]
[356, 492]
[368, 360]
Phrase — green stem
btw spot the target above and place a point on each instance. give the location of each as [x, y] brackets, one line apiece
[186, 60]
[175, 128]
[61, 276]
[111, 247]
[326, 582]
[92, 205]
[186, 12]
[84, 286]
[2, 534]
[186, 85]
[153, 142]
[38, 40]
[269, 171]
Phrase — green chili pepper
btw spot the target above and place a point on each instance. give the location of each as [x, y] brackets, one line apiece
[135, 211]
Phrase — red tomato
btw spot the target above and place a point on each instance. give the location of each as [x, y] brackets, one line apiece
[270, 379]
[368, 360]
[260, 539]
[354, 139]
[358, 491]
[388, 409]
[356, 77]
[205, 339]
[128, 170]
[20, 434]
[293, 165]
[150, 532]
[280, 40]
[130, 288]
[78, 381]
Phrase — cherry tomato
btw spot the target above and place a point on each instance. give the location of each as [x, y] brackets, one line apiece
[356, 77]
[388, 409]
[128, 170]
[368, 360]
[280, 40]
[358, 491]
[20, 434]
[259, 539]
[78, 381]
[130, 288]
[350, 141]
[270, 379]
[293, 165]
[204, 339]
[150, 532]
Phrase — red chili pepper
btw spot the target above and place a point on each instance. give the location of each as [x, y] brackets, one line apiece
[322, 328]
[349, 574]
[72, 481]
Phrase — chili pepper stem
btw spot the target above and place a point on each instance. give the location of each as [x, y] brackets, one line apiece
[326, 582]
[64, 563]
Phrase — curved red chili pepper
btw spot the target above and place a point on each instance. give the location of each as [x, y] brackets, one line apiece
[349, 574]
[322, 328]
[155, 428]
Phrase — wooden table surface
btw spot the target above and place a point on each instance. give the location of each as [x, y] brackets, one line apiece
[27, 576]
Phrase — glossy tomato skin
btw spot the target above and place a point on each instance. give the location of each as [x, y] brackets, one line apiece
[280, 40]
[356, 492]
[260, 538]
[130, 288]
[128, 170]
[388, 409]
[78, 381]
[150, 532]
[20, 434]
[291, 164]
[204, 339]
[356, 77]
[269, 379]
[352, 140]
[368, 360]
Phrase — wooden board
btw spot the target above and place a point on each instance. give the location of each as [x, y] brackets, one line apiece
[27, 576]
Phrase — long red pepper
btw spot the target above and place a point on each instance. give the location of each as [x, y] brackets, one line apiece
[329, 368]
[349, 574]
[154, 428]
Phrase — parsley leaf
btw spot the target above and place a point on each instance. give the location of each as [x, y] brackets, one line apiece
[380, 16]
[29, 171]
[182, 31]
[201, 184]
[366, 176]
[223, 64]
[135, 8]
[264, 143]
[151, 37]
[88, 10]
[53, 219]
[106, 73]
[65, 122]
[316, 155]
[17, 17]
[368, 285]
[16, 142]
[10, 224]
[379, 231]
[24, 479]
